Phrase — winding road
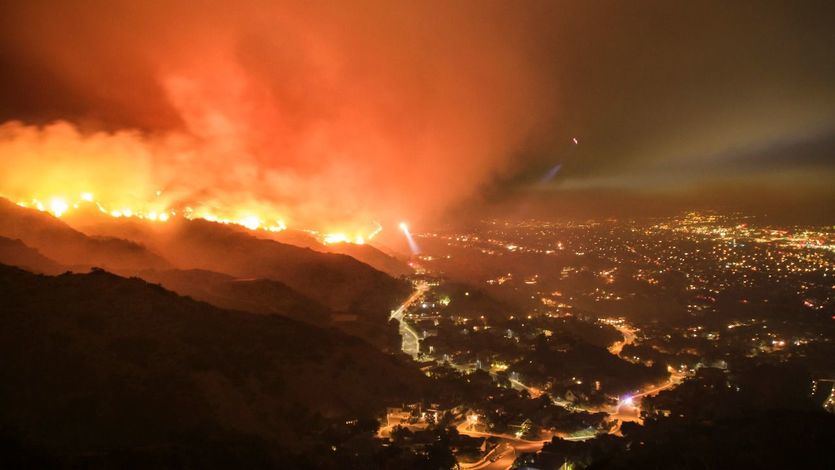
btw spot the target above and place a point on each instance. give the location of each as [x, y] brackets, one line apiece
[411, 339]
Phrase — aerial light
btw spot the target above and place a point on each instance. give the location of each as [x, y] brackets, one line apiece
[412, 244]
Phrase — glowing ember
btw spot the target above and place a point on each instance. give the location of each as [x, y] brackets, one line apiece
[251, 222]
[335, 238]
[58, 206]
[339, 237]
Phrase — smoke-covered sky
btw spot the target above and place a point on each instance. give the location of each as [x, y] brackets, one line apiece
[366, 110]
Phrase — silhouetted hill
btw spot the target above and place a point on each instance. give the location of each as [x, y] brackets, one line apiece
[347, 286]
[17, 253]
[366, 253]
[297, 238]
[95, 364]
[58, 241]
[338, 281]
[250, 295]
[91, 221]
[372, 256]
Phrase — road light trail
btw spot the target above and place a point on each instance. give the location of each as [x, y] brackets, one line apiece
[405, 328]
[628, 333]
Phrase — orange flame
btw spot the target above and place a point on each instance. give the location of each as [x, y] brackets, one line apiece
[60, 206]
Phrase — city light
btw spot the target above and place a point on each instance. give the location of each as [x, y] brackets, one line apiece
[472, 420]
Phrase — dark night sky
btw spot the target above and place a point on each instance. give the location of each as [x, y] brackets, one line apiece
[682, 93]
[661, 95]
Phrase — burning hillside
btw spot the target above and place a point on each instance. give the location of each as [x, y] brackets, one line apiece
[280, 115]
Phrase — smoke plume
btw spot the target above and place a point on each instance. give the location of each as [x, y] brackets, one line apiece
[327, 116]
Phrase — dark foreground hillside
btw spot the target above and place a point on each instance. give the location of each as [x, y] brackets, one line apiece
[249, 295]
[97, 366]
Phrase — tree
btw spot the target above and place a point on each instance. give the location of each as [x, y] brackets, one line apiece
[440, 455]
[400, 434]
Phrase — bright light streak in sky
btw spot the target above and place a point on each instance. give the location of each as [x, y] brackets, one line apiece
[412, 243]
[551, 173]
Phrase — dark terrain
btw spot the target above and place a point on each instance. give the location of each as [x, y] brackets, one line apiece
[97, 366]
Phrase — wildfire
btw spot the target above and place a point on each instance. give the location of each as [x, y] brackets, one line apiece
[61, 205]
[58, 206]
[336, 238]
[342, 237]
